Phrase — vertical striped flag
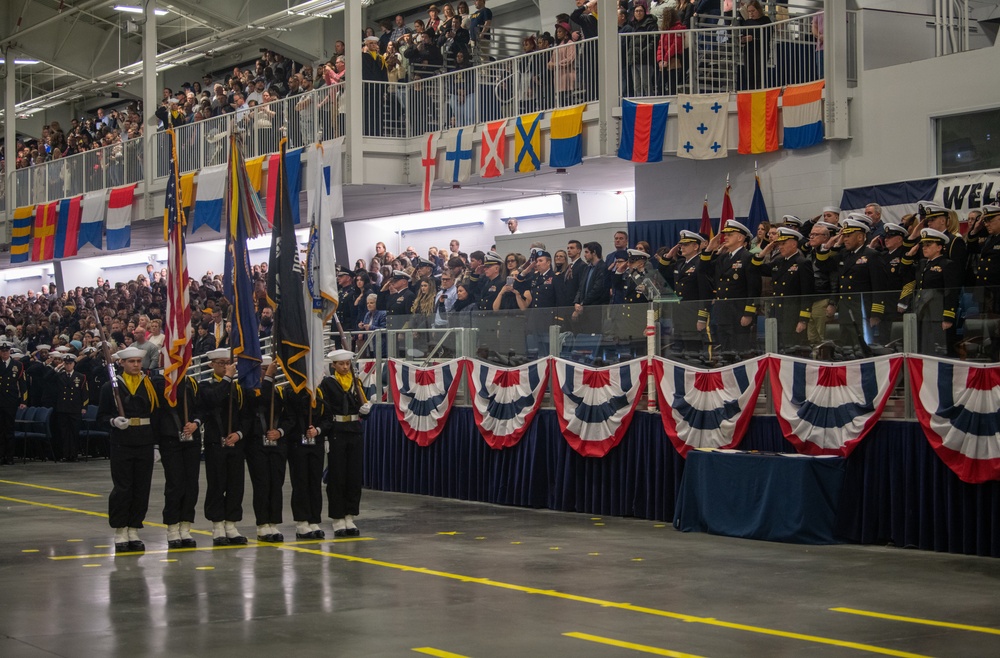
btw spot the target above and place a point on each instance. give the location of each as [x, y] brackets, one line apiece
[802, 115]
[284, 285]
[643, 128]
[43, 238]
[20, 237]
[68, 227]
[245, 220]
[178, 327]
[757, 113]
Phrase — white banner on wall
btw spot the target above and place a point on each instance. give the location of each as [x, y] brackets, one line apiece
[965, 192]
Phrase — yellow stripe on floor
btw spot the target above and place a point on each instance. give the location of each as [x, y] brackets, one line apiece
[656, 651]
[38, 486]
[918, 620]
[86, 511]
[431, 651]
[816, 639]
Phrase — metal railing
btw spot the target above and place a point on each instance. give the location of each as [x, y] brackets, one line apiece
[90, 171]
[719, 59]
[533, 82]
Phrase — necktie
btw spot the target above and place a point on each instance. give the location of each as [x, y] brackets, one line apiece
[569, 273]
[590, 274]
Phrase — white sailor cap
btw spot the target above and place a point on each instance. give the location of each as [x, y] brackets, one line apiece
[791, 220]
[219, 353]
[786, 233]
[733, 226]
[861, 217]
[848, 226]
[933, 235]
[130, 353]
[43, 348]
[62, 349]
[832, 228]
[340, 355]
[833, 209]
[266, 361]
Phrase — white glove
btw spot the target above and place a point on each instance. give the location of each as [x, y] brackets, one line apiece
[121, 422]
[365, 408]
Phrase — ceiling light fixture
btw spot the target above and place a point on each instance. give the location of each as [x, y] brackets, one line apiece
[21, 61]
[132, 9]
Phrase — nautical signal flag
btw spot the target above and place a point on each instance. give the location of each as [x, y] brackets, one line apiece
[68, 227]
[293, 172]
[43, 239]
[702, 126]
[20, 236]
[92, 220]
[458, 155]
[566, 137]
[493, 149]
[528, 143]
[643, 128]
[757, 113]
[802, 115]
[119, 222]
[208, 200]
[428, 161]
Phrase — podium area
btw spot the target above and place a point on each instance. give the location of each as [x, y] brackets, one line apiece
[469, 579]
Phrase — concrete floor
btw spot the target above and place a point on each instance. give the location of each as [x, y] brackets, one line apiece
[446, 578]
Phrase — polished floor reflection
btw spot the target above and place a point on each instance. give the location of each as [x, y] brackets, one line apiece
[447, 578]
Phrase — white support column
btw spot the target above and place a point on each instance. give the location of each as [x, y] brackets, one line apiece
[354, 169]
[608, 53]
[835, 64]
[9, 132]
[150, 101]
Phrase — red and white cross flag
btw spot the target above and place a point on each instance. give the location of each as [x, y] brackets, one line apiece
[493, 149]
[428, 160]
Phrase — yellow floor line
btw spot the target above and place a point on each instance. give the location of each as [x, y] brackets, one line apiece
[656, 651]
[431, 651]
[88, 512]
[38, 486]
[918, 620]
[157, 552]
[614, 604]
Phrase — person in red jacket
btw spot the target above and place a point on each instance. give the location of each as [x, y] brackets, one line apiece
[670, 59]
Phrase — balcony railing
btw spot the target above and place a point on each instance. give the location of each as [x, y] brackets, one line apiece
[719, 59]
[90, 171]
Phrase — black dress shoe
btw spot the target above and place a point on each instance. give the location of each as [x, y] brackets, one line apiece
[174, 543]
[238, 540]
[136, 546]
[122, 547]
[319, 534]
[304, 535]
[277, 538]
[220, 541]
[352, 532]
[189, 543]
[339, 534]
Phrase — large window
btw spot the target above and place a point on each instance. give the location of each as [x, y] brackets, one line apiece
[968, 142]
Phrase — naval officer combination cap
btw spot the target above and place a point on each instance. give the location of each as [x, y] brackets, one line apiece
[929, 210]
[895, 229]
[933, 235]
[848, 226]
[733, 226]
[791, 220]
[786, 233]
[691, 236]
[637, 254]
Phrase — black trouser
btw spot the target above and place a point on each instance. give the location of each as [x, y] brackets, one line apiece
[225, 473]
[7, 415]
[343, 483]
[267, 475]
[131, 476]
[181, 470]
[305, 467]
[68, 433]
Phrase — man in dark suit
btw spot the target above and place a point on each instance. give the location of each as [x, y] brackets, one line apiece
[594, 290]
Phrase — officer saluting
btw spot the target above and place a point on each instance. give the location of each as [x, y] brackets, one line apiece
[737, 287]
[72, 398]
[128, 404]
[13, 394]
[689, 278]
[491, 283]
[792, 276]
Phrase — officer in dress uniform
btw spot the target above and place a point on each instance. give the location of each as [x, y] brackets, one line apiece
[900, 277]
[72, 398]
[792, 279]
[737, 287]
[41, 392]
[539, 300]
[684, 269]
[13, 394]
[300, 428]
[267, 454]
[132, 439]
[631, 323]
[345, 309]
[935, 302]
[344, 406]
[985, 241]
[491, 283]
[857, 283]
[179, 431]
[224, 401]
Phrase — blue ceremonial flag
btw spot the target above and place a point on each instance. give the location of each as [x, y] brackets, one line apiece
[293, 171]
[566, 137]
[643, 128]
[758, 211]
[244, 221]
[210, 198]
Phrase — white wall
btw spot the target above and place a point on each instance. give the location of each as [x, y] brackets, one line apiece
[22, 279]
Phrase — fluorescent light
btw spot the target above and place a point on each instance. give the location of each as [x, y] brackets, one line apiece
[132, 9]
[21, 61]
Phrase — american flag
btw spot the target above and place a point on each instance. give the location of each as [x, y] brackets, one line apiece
[178, 329]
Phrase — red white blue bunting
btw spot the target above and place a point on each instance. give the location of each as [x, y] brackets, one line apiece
[826, 409]
[595, 405]
[957, 405]
[424, 397]
[368, 374]
[505, 400]
[707, 408]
